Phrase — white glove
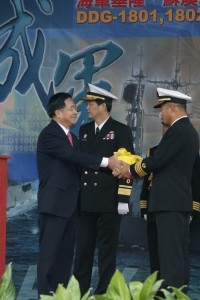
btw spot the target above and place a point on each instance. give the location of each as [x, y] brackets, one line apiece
[123, 208]
[145, 217]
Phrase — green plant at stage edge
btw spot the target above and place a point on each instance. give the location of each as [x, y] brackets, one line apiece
[119, 290]
[7, 288]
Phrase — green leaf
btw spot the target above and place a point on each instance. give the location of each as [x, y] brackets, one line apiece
[62, 293]
[86, 295]
[157, 286]
[71, 292]
[118, 288]
[168, 295]
[48, 297]
[7, 289]
[135, 289]
[148, 291]
[98, 297]
[179, 294]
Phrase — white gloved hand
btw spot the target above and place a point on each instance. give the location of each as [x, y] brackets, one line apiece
[123, 208]
[145, 217]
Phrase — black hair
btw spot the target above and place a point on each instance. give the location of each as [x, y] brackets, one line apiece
[108, 104]
[57, 101]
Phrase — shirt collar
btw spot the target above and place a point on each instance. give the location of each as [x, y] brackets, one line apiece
[178, 119]
[66, 130]
[101, 125]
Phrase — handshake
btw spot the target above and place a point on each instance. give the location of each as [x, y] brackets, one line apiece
[120, 163]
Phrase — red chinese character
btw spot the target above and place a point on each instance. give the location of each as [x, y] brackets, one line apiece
[119, 3]
[170, 2]
[84, 3]
[102, 3]
[137, 3]
[189, 2]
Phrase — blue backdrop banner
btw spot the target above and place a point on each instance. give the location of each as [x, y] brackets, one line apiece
[127, 46]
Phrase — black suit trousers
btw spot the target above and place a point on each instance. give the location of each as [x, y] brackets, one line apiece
[56, 242]
[152, 237]
[99, 230]
[173, 247]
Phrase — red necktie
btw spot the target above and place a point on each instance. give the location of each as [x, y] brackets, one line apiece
[70, 138]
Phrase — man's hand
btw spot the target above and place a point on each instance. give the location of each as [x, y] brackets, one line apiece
[113, 162]
[122, 171]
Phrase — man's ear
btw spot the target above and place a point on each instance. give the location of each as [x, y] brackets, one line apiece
[104, 106]
[58, 113]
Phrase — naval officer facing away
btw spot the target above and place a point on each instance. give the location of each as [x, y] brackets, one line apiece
[170, 199]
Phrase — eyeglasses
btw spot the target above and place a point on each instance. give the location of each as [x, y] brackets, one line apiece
[73, 108]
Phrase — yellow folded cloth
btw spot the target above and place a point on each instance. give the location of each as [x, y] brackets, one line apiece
[127, 157]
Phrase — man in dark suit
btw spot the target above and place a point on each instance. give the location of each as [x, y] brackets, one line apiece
[59, 159]
[170, 199]
[149, 217]
[103, 198]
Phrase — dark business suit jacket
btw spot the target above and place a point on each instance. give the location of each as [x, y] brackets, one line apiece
[59, 184]
[59, 170]
[172, 165]
[100, 189]
[151, 222]
[195, 183]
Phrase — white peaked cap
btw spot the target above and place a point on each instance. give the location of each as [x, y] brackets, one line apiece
[165, 95]
[96, 93]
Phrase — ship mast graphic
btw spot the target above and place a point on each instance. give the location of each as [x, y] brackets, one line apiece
[177, 84]
[132, 94]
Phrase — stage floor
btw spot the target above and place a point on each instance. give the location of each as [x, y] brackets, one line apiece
[131, 261]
